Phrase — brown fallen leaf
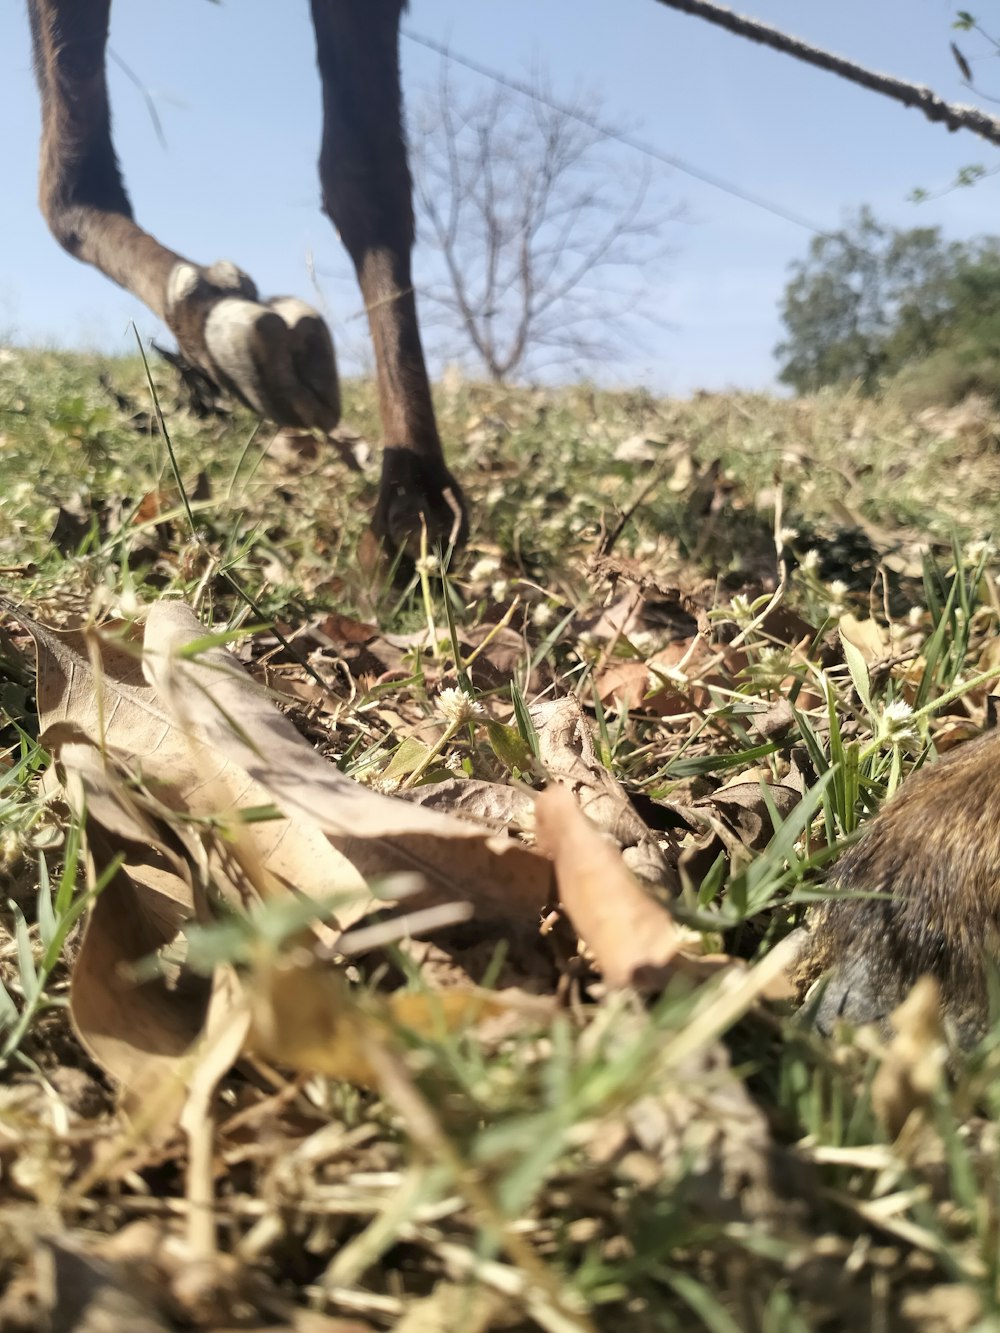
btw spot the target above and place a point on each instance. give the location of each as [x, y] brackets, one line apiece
[166, 773]
[493, 804]
[226, 718]
[566, 750]
[628, 933]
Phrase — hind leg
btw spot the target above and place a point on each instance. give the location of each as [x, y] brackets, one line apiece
[368, 196]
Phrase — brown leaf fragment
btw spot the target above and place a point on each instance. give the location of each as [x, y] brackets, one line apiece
[868, 636]
[140, 1032]
[625, 682]
[628, 933]
[487, 803]
[567, 752]
[913, 1063]
[743, 805]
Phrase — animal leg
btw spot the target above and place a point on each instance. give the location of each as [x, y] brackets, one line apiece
[277, 356]
[367, 194]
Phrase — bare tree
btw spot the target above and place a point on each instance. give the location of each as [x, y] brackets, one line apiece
[548, 240]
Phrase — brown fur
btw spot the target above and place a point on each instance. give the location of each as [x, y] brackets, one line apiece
[934, 852]
[277, 356]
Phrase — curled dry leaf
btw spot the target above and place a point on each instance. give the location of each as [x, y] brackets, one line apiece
[167, 771]
[566, 750]
[628, 933]
[225, 717]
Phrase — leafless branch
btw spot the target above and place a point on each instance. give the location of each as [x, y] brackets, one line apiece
[538, 222]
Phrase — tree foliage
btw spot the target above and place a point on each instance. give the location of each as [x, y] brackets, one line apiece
[870, 301]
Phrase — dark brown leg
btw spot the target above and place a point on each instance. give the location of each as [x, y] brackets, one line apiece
[276, 356]
[367, 194]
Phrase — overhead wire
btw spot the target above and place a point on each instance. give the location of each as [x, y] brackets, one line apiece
[649, 150]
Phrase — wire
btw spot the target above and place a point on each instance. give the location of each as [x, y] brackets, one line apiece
[628, 140]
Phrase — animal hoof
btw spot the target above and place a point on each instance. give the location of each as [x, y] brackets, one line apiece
[851, 994]
[415, 492]
[276, 356]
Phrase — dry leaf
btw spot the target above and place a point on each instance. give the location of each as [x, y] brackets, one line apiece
[913, 1063]
[566, 750]
[868, 636]
[225, 716]
[627, 932]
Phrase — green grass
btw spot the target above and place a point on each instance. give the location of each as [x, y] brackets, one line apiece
[604, 1167]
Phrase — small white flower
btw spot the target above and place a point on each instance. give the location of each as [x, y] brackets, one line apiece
[428, 564]
[456, 707]
[810, 561]
[896, 724]
[542, 615]
[740, 609]
[499, 590]
[979, 550]
[837, 604]
[788, 535]
[484, 569]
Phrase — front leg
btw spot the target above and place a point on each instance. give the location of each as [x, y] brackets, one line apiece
[368, 196]
[276, 356]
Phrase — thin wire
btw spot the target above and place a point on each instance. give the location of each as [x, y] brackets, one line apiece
[628, 140]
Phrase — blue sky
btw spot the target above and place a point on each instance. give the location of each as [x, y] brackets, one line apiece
[237, 93]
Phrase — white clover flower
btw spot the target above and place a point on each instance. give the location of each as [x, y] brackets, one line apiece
[484, 569]
[456, 707]
[810, 561]
[643, 641]
[771, 659]
[896, 724]
[837, 604]
[979, 550]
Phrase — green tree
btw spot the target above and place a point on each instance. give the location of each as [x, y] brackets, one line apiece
[865, 300]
